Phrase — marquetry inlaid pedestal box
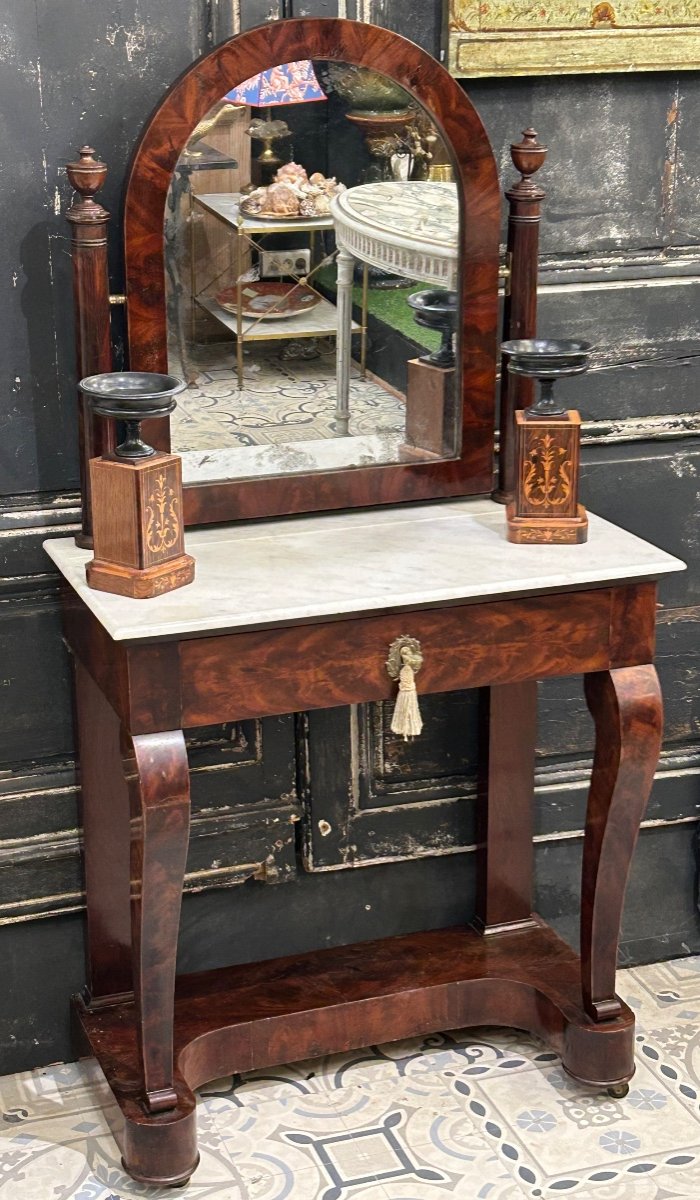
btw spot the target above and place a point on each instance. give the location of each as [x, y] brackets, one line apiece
[545, 507]
[137, 527]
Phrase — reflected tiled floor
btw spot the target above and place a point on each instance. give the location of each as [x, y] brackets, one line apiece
[282, 400]
[474, 1115]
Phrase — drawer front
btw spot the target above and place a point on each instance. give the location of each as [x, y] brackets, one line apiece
[343, 662]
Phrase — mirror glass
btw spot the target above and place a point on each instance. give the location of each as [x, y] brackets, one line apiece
[311, 236]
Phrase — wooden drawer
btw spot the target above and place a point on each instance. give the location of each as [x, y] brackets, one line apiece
[343, 662]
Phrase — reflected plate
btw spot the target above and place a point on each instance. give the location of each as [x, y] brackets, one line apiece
[262, 215]
[271, 301]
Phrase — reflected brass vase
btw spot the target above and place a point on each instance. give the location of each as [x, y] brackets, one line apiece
[379, 107]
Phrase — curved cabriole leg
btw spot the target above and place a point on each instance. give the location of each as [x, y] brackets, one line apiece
[626, 707]
[157, 774]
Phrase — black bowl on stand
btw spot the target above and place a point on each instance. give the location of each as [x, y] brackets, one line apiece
[436, 309]
[132, 397]
[546, 359]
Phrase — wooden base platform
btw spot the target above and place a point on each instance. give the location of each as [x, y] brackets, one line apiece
[140, 584]
[264, 1014]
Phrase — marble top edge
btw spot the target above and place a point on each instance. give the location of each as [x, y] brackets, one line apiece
[375, 568]
[310, 524]
[254, 620]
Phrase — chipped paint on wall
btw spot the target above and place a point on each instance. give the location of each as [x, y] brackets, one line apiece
[134, 39]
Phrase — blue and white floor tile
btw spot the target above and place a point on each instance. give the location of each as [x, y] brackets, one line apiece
[281, 401]
[484, 1114]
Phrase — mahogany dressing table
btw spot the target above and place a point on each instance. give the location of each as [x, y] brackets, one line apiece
[265, 640]
[297, 610]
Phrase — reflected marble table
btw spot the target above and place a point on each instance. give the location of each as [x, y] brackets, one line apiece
[405, 227]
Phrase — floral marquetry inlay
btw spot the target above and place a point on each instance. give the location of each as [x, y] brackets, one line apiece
[163, 522]
[547, 472]
[545, 506]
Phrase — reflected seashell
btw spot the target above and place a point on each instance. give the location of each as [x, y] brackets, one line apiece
[281, 198]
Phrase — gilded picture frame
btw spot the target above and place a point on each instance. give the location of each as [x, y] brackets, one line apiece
[559, 37]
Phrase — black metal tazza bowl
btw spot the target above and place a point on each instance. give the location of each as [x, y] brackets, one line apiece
[436, 308]
[132, 394]
[546, 359]
[132, 397]
[542, 357]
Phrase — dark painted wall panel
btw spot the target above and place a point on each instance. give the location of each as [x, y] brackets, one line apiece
[25, 265]
[652, 490]
[64, 82]
[684, 199]
[35, 696]
[609, 140]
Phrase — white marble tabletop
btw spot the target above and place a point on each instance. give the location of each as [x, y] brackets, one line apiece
[332, 565]
[420, 211]
[408, 226]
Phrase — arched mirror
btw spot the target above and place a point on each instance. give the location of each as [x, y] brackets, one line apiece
[312, 243]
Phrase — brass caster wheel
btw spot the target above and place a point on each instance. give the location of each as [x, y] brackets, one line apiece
[618, 1091]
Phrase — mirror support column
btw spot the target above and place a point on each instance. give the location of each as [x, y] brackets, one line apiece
[93, 347]
[520, 307]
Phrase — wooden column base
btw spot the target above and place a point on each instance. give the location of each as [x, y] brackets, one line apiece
[137, 527]
[545, 506]
[140, 584]
[264, 1014]
[566, 531]
[429, 411]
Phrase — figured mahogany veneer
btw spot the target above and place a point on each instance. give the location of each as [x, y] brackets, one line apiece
[421, 472]
[156, 155]
[205, 680]
[93, 347]
[520, 302]
[157, 1038]
[264, 1014]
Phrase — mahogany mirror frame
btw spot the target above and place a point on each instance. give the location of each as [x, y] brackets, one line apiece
[156, 154]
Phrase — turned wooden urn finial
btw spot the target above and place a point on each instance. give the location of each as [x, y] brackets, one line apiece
[86, 176]
[528, 156]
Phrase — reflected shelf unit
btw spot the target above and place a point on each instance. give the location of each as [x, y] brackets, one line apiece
[321, 321]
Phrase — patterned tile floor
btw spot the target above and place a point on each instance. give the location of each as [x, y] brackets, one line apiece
[473, 1115]
[282, 400]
